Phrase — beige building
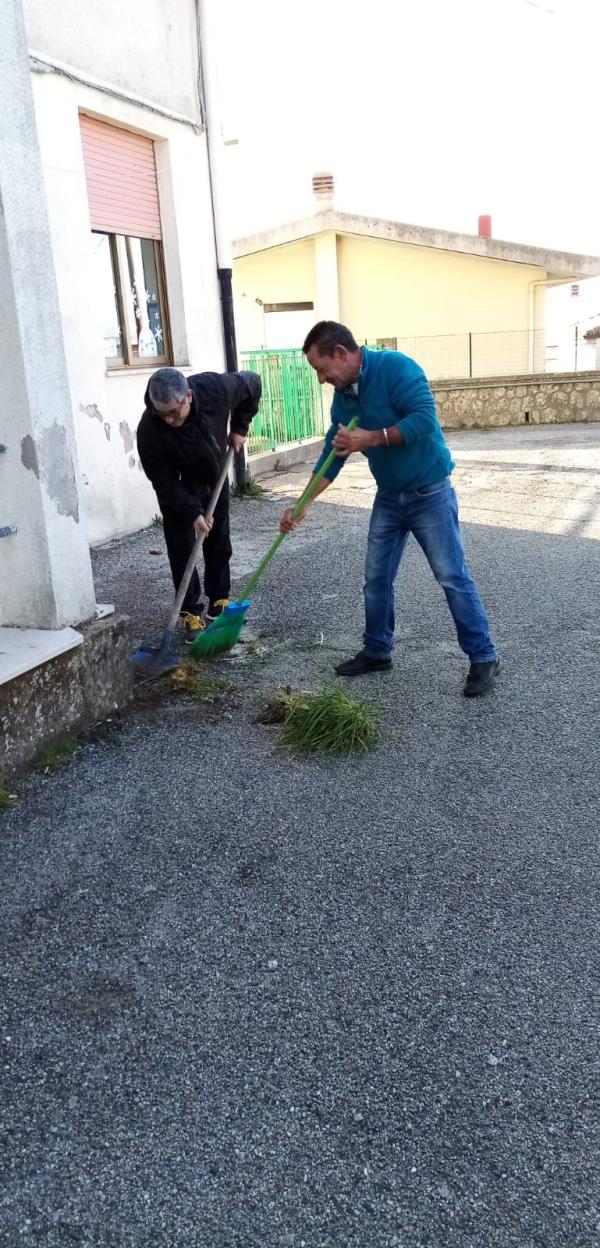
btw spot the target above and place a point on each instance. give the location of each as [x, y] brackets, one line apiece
[463, 305]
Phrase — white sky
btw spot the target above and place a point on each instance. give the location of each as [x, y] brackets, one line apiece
[430, 111]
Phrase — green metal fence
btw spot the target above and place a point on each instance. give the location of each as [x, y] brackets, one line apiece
[291, 407]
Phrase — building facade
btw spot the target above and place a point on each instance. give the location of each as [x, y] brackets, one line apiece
[123, 148]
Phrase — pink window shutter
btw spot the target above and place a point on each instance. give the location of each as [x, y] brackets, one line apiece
[121, 179]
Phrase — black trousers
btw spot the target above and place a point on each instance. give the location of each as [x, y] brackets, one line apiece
[216, 548]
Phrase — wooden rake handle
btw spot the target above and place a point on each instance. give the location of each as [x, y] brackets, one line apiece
[191, 563]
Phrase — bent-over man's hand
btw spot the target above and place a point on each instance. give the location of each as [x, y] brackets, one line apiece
[202, 525]
[237, 441]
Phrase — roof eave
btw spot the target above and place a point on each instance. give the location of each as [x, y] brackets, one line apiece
[559, 266]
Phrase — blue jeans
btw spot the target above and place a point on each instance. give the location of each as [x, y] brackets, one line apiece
[431, 514]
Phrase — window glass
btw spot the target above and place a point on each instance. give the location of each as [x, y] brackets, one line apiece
[105, 295]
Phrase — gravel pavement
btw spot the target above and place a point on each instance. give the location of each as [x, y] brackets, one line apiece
[248, 1001]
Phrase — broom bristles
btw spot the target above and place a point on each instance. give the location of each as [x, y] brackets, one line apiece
[222, 634]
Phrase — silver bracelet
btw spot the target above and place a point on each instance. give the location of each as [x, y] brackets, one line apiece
[385, 434]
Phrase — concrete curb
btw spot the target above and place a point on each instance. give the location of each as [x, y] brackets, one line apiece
[290, 453]
[70, 692]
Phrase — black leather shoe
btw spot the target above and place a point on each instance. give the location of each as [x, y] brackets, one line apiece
[481, 678]
[362, 663]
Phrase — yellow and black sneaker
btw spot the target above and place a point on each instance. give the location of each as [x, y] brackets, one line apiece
[215, 609]
[193, 625]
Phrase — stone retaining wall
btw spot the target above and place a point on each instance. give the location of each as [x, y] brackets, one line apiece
[550, 398]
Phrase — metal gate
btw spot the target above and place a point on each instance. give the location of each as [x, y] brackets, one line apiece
[291, 408]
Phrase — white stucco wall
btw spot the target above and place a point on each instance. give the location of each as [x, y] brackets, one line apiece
[107, 404]
[45, 569]
[144, 47]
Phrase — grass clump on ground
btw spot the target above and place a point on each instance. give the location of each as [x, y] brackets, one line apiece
[7, 797]
[251, 490]
[188, 678]
[57, 754]
[330, 722]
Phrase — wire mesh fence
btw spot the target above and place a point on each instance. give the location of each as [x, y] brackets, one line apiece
[508, 353]
[291, 408]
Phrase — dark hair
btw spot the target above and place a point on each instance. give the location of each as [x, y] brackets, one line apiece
[166, 384]
[327, 335]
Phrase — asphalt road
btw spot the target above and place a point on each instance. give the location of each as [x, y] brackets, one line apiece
[255, 1002]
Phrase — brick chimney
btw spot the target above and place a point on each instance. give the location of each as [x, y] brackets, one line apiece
[322, 185]
[484, 227]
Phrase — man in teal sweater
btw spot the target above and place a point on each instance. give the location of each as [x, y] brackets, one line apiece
[401, 436]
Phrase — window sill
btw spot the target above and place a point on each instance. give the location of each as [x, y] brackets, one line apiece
[139, 370]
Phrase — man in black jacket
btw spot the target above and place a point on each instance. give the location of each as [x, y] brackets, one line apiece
[182, 441]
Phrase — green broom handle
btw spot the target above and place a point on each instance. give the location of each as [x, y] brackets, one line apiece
[305, 498]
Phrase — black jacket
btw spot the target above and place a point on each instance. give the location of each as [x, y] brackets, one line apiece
[183, 464]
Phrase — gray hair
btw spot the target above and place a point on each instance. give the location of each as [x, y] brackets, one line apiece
[167, 384]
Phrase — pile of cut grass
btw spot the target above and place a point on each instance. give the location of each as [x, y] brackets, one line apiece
[188, 678]
[330, 722]
[8, 797]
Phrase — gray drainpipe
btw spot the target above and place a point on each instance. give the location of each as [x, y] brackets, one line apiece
[209, 103]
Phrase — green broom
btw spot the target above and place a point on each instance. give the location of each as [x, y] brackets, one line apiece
[225, 631]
